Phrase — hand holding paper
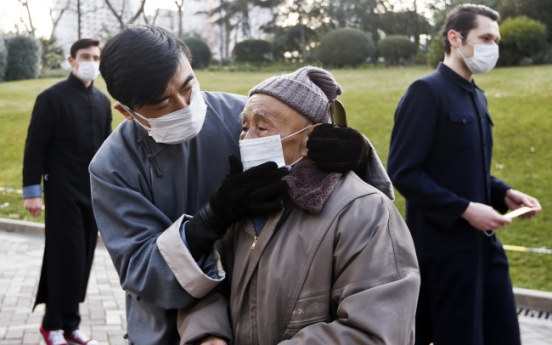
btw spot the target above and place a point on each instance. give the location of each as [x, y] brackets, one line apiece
[516, 200]
[519, 212]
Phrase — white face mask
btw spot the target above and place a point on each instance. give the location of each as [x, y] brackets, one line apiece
[180, 125]
[484, 57]
[88, 70]
[267, 149]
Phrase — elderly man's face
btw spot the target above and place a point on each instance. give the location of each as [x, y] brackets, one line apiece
[264, 115]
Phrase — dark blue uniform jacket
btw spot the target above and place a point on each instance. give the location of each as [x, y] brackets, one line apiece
[440, 159]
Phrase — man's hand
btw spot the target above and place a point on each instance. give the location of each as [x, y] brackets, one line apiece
[252, 192]
[515, 199]
[213, 341]
[34, 206]
[337, 149]
[484, 217]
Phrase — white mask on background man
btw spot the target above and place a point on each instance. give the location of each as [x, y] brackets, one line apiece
[484, 57]
[257, 151]
[88, 70]
[180, 125]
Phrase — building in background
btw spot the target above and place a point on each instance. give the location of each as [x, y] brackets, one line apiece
[98, 21]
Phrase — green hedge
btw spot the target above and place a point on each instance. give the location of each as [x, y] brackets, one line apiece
[3, 58]
[345, 47]
[397, 49]
[23, 58]
[522, 39]
[201, 54]
[436, 51]
[253, 51]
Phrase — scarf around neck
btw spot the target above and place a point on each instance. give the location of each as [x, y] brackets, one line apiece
[310, 187]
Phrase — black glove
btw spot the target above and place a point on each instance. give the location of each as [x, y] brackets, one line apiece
[337, 149]
[253, 192]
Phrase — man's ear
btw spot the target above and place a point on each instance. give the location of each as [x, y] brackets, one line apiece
[123, 111]
[452, 37]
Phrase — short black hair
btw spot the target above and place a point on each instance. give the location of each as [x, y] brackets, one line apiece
[83, 43]
[139, 62]
[463, 18]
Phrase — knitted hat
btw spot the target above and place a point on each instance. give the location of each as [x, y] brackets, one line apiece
[307, 90]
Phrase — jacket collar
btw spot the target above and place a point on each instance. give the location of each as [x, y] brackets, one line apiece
[454, 77]
[78, 84]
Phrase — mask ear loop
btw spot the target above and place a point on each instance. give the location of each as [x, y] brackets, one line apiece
[299, 131]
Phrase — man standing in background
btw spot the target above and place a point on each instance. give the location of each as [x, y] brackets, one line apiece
[439, 159]
[69, 123]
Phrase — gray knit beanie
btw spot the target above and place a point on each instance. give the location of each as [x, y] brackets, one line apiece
[307, 90]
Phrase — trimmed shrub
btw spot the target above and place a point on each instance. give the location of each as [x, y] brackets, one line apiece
[201, 54]
[252, 51]
[436, 51]
[345, 47]
[3, 58]
[522, 39]
[52, 54]
[23, 58]
[397, 49]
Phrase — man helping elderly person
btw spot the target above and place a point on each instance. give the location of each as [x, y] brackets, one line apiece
[337, 265]
[165, 163]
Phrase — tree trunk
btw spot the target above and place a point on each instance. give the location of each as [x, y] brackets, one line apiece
[79, 19]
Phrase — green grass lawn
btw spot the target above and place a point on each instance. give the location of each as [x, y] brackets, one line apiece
[520, 102]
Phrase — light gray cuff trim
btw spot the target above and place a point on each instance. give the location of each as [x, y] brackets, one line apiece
[182, 264]
[32, 191]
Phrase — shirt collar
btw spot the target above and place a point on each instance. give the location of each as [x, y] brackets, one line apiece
[448, 73]
[78, 84]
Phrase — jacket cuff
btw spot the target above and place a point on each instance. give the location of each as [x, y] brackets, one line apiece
[446, 217]
[182, 264]
[32, 191]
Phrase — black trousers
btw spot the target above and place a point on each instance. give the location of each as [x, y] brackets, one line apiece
[467, 297]
[71, 235]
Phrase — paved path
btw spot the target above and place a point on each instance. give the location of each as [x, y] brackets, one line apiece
[103, 314]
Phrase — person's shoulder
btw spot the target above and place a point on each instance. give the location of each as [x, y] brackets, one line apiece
[352, 189]
[117, 149]
[223, 100]
[226, 106]
[100, 93]
[55, 90]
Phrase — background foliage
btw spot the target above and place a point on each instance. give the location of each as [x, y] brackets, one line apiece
[345, 47]
[3, 58]
[253, 51]
[201, 54]
[397, 49]
[23, 58]
[521, 38]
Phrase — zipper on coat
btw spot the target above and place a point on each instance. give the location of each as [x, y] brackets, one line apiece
[254, 242]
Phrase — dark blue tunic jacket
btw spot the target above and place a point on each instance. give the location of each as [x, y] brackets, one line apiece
[440, 159]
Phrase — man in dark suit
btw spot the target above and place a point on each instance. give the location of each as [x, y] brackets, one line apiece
[439, 159]
[69, 123]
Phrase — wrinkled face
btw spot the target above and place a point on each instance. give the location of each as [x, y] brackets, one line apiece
[486, 32]
[264, 115]
[176, 96]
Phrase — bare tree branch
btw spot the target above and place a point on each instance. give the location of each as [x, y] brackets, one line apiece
[55, 21]
[155, 16]
[120, 17]
[30, 29]
[179, 6]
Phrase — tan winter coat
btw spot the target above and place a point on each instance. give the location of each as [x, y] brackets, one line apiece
[347, 275]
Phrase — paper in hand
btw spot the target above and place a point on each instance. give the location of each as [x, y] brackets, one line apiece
[518, 212]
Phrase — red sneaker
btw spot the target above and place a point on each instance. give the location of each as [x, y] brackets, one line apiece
[53, 337]
[79, 338]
